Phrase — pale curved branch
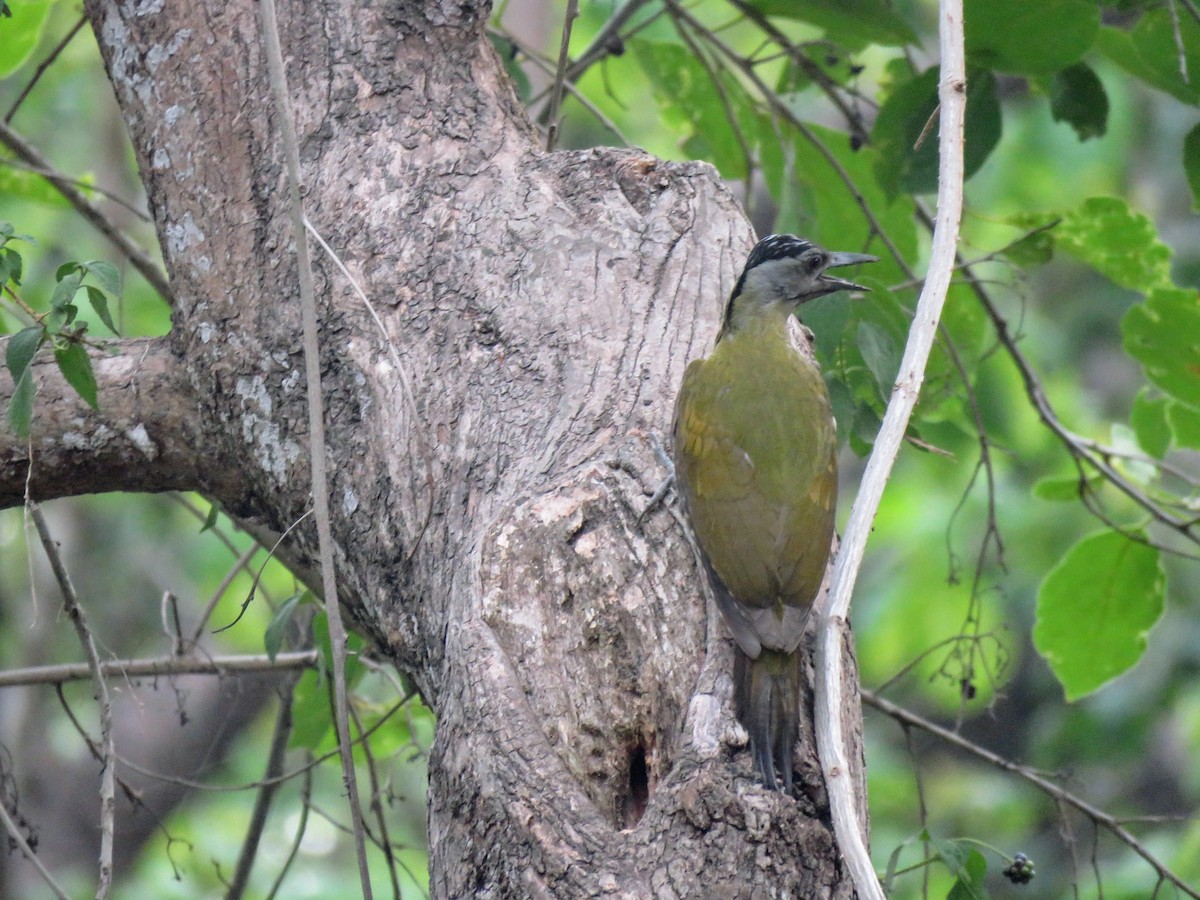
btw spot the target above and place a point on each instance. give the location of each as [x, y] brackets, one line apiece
[831, 745]
[143, 438]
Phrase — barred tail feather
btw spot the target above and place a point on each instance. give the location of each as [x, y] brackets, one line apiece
[767, 692]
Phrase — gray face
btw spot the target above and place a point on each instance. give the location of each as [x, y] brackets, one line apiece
[795, 279]
[790, 279]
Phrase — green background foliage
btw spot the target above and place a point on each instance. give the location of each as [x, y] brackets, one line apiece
[1024, 583]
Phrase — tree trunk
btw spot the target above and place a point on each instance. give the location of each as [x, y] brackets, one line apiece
[486, 491]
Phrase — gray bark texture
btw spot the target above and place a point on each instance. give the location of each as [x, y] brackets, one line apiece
[486, 492]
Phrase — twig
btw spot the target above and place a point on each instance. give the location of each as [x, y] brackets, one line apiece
[108, 802]
[135, 254]
[606, 42]
[560, 76]
[1191, 8]
[1076, 445]
[316, 429]
[158, 666]
[714, 78]
[301, 827]
[830, 729]
[257, 578]
[242, 563]
[540, 61]
[828, 86]
[385, 841]
[14, 835]
[266, 793]
[192, 784]
[1111, 823]
[111, 196]
[42, 67]
[782, 110]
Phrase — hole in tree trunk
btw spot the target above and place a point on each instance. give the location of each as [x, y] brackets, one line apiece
[638, 794]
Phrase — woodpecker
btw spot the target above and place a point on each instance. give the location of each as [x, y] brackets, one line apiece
[755, 447]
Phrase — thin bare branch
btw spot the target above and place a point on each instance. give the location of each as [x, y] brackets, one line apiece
[781, 109]
[45, 64]
[1180, 50]
[242, 564]
[298, 838]
[827, 85]
[539, 60]
[560, 76]
[607, 42]
[266, 793]
[111, 196]
[78, 619]
[316, 429]
[135, 254]
[908, 718]
[14, 835]
[154, 667]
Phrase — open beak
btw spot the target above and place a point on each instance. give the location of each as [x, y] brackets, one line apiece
[845, 259]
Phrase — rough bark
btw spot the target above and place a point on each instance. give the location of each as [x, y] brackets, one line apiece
[486, 500]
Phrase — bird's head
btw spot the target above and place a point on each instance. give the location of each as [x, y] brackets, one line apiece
[784, 270]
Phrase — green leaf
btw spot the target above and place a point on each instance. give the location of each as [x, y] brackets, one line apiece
[970, 884]
[1120, 243]
[20, 405]
[998, 34]
[66, 269]
[685, 92]
[908, 167]
[851, 23]
[1191, 163]
[1156, 39]
[1077, 97]
[100, 305]
[11, 266]
[30, 185]
[966, 864]
[880, 353]
[67, 287]
[76, 367]
[106, 274]
[1185, 425]
[1095, 609]
[21, 349]
[1035, 248]
[1149, 421]
[21, 32]
[1063, 490]
[277, 628]
[312, 715]
[1163, 334]
[211, 519]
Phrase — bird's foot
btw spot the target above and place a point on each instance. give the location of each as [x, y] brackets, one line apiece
[664, 487]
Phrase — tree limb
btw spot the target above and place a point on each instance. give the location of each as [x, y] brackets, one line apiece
[143, 438]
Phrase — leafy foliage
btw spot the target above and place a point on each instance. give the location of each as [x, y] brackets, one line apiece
[59, 327]
[1064, 392]
[1096, 607]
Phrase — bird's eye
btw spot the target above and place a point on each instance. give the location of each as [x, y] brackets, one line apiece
[814, 263]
